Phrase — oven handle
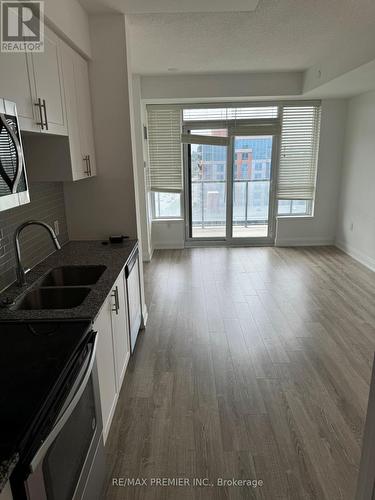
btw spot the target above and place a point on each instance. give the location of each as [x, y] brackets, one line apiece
[65, 416]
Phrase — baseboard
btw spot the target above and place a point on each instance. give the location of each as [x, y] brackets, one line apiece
[303, 242]
[147, 257]
[169, 246]
[144, 316]
[147, 254]
[357, 255]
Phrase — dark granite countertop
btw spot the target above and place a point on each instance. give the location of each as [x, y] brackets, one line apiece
[74, 253]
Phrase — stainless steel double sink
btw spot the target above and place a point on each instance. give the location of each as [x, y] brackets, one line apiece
[63, 287]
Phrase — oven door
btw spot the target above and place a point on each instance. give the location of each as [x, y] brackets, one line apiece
[70, 462]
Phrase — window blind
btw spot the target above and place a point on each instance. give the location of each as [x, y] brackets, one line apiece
[298, 152]
[230, 113]
[164, 144]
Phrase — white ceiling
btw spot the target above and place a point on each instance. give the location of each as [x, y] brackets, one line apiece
[154, 6]
[280, 35]
[209, 36]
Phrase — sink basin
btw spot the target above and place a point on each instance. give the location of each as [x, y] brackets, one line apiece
[73, 276]
[53, 298]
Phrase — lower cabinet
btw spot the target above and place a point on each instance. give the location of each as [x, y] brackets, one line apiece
[105, 364]
[120, 330]
[113, 350]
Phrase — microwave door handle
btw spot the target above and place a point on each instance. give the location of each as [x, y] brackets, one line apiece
[39, 455]
[3, 174]
[17, 145]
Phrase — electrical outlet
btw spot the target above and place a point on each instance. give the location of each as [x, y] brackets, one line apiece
[57, 228]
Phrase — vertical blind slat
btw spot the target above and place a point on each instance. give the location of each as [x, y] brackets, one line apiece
[298, 152]
[164, 146]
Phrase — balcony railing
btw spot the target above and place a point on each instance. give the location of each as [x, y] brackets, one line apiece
[250, 202]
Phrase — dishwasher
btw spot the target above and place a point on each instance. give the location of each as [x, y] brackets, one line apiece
[133, 297]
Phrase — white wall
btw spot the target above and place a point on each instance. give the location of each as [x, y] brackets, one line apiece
[168, 234]
[321, 229]
[221, 86]
[356, 216]
[105, 204]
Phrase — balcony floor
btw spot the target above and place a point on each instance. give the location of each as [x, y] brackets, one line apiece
[256, 231]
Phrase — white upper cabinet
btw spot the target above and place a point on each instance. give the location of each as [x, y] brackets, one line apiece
[16, 84]
[49, 105]
[84, 112]
[78, 168]
[78, 106]
[52, 92]
[34, 82]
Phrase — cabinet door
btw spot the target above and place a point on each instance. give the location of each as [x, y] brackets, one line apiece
[79, 165]
[106, 368]
[120, 330]
[17, 85]
[84, 114]
[48, 84]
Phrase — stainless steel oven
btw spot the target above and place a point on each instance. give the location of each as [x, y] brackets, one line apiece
[13, 180]
[69, 464]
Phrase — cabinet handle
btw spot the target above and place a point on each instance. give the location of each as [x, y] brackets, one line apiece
[86, 160]
[89, 159]
[44, 106]
[117, 302]
[39, 105]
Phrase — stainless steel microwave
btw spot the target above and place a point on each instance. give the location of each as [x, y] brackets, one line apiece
[13, 180]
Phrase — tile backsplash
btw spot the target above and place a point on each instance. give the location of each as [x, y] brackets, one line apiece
[47, 204]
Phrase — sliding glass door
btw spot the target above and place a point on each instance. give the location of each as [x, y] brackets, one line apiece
[207, 183]
[252, 171]
[229, 204]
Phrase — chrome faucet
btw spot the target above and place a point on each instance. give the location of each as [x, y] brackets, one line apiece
[21, 272]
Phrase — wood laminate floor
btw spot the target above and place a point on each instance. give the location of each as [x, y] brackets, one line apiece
[255, 364]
